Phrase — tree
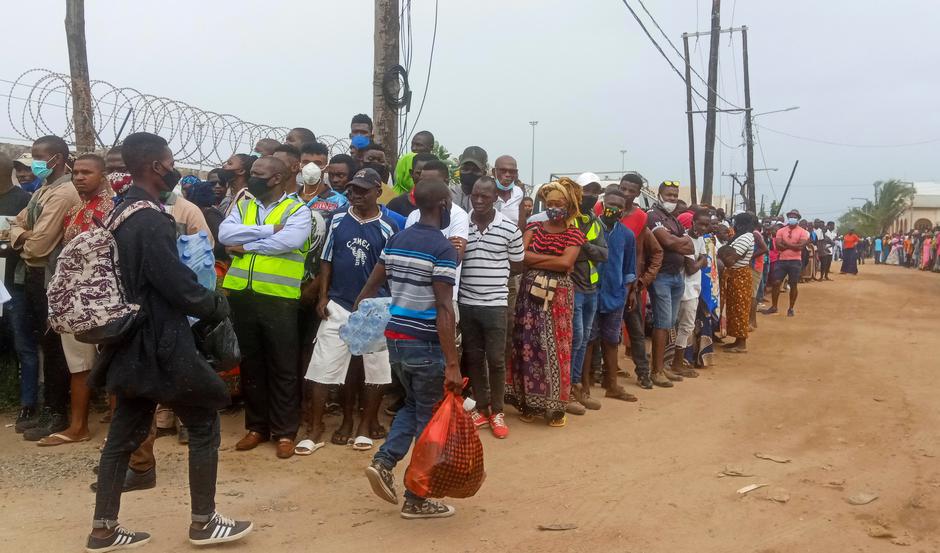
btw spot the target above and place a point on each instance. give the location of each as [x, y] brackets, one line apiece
[877, 215]
[442, 154]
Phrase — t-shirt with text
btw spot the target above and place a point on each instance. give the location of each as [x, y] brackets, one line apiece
[353, 247]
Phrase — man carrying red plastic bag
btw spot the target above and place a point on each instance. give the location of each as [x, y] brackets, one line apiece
[420, 266]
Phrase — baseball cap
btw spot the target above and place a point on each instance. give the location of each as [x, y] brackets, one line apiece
[366, 178]
[25, 158]
[585, 179]
[475, 155]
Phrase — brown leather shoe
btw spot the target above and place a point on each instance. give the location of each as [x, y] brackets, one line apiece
[250, 441]
[285, 448]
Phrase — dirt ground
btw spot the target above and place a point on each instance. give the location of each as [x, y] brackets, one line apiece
[847, 391]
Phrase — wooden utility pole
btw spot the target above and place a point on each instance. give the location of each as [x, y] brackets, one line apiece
[384, 116]
[688, 111]
[82, 119]
[785, 190]
[748, 130]
[709, 167]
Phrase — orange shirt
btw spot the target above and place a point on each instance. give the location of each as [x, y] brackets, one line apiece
[850, 241]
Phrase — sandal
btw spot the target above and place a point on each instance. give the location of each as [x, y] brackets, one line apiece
[307, 447]
[59, 439]
[362, 443]
[339, 439]
[559, 423]
[620, 393]
[526, 418]
[379, 433]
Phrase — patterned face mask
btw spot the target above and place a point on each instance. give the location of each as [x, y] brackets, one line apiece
[119, 181]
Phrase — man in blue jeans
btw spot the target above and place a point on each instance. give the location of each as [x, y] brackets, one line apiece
[669, 286]
[420, 266]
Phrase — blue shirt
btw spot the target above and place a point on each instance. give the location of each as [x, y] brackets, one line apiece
[329, 202]
[877, 244]
[353, 247]
[394, 216]
[414, 259]
[619, 270]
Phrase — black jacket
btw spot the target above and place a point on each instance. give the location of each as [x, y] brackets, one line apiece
[158, 359]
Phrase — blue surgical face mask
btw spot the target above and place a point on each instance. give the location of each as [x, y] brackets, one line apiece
[506, 188]
[41, 168]
[793, 221]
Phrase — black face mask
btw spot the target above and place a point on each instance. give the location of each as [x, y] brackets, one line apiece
[226, 175]
[467, 180]
[382, 170]
[445, 216]
[171, 178]
[257, 186]
[587, 204]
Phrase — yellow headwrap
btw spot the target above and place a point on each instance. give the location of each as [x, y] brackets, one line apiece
[567, 190]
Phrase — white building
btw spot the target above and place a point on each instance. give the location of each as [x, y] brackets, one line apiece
[924, 211]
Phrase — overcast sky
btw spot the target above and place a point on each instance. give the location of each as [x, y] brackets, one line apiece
[862, 73]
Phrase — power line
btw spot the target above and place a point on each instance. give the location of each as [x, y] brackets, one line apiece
[833, 143]
[681, 55]
[430, 64]
[760, 147]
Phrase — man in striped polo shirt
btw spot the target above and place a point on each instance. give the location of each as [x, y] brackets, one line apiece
[494, 250]
[420, 266]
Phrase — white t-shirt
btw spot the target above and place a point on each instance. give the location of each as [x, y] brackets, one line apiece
[459, 228]
[510, 208]
[693, 282]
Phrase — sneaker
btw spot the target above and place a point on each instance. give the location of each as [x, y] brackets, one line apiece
[25, 419]
[54, 422]
[574, 407]
[382, 481]
[122, 538]
[790, 313]
[219, 530]
[643, 381]
[479, 421]
[426, 508]
[498, 426]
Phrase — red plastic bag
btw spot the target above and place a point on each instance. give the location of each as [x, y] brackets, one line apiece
[447, 461]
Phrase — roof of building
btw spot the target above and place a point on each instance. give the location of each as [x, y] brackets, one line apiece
[928, 194]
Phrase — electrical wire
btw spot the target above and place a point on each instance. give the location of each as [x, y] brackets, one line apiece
[847, 145]
[681, 55]
[427, 81]
[763, 159]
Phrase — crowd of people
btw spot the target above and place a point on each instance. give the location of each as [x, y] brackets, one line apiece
[530, 307]
[917, 249]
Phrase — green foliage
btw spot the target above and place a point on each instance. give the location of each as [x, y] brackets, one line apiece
[442, 154]
[774, 208]
[876, 215]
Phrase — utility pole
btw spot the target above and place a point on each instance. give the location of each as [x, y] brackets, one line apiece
[533, 123]
[787, 189]
[688, 111]
[709, 168]
[748, 130]
[78, 67]
[384, 116]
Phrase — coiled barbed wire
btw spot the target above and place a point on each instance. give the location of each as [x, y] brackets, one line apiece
[40, 103]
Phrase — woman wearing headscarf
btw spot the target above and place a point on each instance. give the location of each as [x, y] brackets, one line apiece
[539, 372]
[738, 280]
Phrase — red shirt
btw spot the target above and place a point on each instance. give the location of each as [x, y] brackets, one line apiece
[81, 218]
[849, 241]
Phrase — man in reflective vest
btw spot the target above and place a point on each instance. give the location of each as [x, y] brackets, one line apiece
[268, 238]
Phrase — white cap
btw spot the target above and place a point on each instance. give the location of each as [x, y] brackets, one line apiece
[585, 179]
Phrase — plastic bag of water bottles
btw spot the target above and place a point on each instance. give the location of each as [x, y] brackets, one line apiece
[364, 332]
[195, 252]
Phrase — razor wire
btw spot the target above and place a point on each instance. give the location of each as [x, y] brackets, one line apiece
[40, 103]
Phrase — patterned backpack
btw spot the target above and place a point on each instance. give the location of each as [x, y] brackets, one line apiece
[86, 294]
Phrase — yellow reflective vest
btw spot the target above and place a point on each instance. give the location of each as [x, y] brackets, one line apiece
[273, 275]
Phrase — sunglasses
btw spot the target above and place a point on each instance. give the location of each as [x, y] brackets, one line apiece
[670, 183]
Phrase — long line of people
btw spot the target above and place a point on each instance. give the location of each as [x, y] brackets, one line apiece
[530, 307]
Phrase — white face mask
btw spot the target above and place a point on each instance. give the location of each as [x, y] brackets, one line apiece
[310, 174]
[669, 207]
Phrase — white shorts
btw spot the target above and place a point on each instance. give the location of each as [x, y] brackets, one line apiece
[79, 356]
[330, 360]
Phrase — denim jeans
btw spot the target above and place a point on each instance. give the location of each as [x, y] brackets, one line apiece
[666, 295]
[585, 308]
[420, 368]
[483, 328]
[637, 334]
[26, 346]
[129, 428]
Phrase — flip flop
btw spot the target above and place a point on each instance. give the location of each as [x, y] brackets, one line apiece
[307, 447]
[559, 423]
[736, 350]
[379, 434]
[59, 439]
[339, 439]
[362, 443]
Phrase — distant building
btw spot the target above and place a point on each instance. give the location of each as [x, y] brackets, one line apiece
[924, 211]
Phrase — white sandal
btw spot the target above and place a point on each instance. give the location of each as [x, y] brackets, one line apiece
[307, 447]
[362, 443]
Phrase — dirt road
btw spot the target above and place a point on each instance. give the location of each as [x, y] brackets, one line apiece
[847, 391]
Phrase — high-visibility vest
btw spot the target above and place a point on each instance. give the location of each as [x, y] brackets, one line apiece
[273, 275]
[592, 232]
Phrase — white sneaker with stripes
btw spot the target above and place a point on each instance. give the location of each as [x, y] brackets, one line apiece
[219, 529]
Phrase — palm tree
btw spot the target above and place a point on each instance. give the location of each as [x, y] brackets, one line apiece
[876, 216]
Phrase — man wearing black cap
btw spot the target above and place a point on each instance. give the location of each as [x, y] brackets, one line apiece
[473, 164]
[355, 240]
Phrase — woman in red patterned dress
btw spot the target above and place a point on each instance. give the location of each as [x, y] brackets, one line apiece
[539, 372]
[88, 177]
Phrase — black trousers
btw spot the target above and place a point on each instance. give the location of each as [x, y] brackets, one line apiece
[484, 354]
[825, 262]
[266, 327]
[637, 333]
[56, 377]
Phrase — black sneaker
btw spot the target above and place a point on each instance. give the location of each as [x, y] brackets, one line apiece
[644, 382]
[220, 530]
[134, 481]
[122, 538]
[426, 508]
[26, 419]
[382, 481]
[55, 422]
